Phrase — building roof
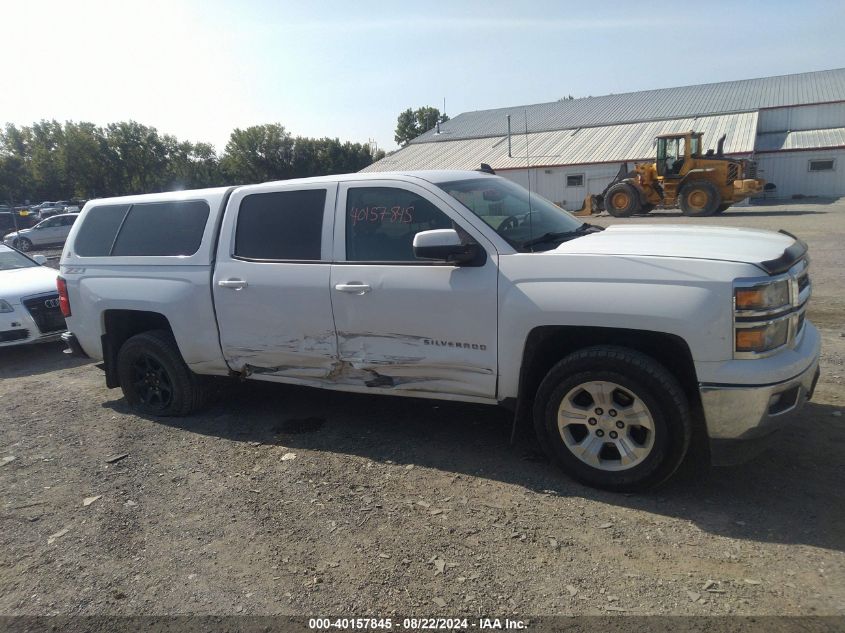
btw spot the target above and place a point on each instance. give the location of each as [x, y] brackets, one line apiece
[648, 105]
[613, 143]
[801, 139]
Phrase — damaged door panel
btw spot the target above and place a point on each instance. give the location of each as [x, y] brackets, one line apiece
[421, 326]
[271, 282]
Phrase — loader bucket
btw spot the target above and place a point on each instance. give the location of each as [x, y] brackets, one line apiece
[591, 205]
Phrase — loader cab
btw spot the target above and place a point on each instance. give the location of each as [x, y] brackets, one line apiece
[673, 150]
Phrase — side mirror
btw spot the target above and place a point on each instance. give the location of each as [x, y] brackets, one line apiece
[39, 259]
[445, 245]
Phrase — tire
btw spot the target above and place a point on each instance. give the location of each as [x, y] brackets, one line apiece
[567, 420]
[622, 200]
[155, 379]
[700, 198]
[722, 208]
[22, 244]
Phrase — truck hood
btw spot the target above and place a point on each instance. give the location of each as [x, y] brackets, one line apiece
[722, 243]
[23, 282]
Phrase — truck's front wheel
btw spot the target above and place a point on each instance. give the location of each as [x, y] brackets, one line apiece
[154, 378]
[613, 418]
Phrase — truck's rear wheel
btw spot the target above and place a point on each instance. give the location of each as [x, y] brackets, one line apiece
[700, 198]
[613, 418]
[622, 200]
[154, 378]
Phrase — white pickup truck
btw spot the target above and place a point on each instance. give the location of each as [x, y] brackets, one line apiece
[623, 346]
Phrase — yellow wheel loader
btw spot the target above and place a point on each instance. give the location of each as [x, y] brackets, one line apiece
[700, 184]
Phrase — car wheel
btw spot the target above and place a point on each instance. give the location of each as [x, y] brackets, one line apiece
[613, 418]
[155, 379]
[22, 244]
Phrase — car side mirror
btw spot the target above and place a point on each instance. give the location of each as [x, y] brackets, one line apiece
[39, 259]
[446, 245]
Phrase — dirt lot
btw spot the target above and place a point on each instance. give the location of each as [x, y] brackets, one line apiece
[291, 500]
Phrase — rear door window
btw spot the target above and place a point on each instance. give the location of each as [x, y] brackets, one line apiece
[281, 225]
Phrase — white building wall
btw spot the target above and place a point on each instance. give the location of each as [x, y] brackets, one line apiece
[811, 117]
[790, 173]
[551, 182]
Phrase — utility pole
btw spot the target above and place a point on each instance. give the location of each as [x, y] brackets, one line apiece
[14, 215]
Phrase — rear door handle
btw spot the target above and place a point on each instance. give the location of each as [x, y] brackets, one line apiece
[354, 288]
[237, 284]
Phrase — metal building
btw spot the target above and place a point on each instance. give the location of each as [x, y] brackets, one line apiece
[793, 125]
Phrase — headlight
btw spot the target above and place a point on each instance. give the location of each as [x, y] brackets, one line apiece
[762, 338]
[5, 306]
[764, 297]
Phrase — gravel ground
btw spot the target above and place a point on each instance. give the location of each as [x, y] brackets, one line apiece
[285, 500]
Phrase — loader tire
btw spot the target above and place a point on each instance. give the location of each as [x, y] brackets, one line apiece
[622, 200]
[700, 198]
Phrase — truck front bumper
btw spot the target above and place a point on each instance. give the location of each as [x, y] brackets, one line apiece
[739, 416]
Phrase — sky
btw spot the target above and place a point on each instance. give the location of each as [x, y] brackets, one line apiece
[345, 69]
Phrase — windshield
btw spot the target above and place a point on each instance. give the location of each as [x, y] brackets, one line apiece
[12, 260]
[505, 206]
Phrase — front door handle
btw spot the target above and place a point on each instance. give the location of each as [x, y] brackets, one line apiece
[354, 288]
[237, 284]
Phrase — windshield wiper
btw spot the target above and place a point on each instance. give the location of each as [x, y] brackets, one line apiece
[561, 235]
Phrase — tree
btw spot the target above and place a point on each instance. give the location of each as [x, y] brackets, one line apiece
[15, 175]
[258, 154]
[53, 161]
[411, 123]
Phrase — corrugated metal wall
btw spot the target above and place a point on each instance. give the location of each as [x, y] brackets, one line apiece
[812, 117]
[789, 171]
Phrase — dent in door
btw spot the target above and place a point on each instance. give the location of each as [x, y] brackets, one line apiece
[399, 366]
[309, 356]
[403, 363]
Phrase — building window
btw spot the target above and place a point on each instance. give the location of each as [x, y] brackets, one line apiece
[575, 180]
[827, 164]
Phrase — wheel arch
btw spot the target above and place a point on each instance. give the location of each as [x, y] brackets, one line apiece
[120, 325]
[546, 345]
